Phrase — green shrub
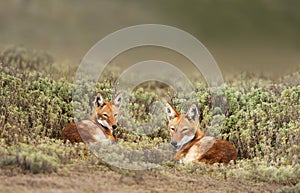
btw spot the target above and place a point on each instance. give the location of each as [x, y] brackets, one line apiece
[261, 119]
[256, 169]
[264, 120]
[33, 107]
[44, 156]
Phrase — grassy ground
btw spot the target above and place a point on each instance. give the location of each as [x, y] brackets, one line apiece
[82, 177]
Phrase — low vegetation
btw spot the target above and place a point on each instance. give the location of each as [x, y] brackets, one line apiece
[261, 120]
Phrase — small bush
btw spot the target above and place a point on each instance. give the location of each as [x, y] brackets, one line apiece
[263, 120]
[43, 157]
[33, 107]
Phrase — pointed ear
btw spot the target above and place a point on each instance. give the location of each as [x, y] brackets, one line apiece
[193, 113]
[171, 111]
[99, 101]
[118, 100]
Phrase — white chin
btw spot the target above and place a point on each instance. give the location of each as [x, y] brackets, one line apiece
[178, 148]
[104, 124]
[185, 140]
[99, 121]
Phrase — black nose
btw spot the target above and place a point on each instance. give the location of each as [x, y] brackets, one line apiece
[174, 143]
[114, 126]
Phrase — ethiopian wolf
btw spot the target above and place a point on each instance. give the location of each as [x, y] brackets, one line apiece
[99, 126]
[191, 143]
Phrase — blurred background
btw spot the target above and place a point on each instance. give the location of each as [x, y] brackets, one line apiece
[258, 37]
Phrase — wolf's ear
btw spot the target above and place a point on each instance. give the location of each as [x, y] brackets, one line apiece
[118, 100]
[193, 113]
[99, 101]
[171, 111]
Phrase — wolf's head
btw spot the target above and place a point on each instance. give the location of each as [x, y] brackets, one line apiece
[182, 127]
[107, 112]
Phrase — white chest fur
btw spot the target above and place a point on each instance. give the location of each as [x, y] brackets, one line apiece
[198, 149]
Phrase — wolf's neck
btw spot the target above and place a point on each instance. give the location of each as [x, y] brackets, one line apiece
[93, 118]
[184, 150]
[105, 130]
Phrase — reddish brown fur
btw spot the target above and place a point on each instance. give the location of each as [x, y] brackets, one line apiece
[221, 152]
[71, 133]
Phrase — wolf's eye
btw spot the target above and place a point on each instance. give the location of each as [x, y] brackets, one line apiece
[116, 114]
[105, 115]
[172, 128]
[185, 129]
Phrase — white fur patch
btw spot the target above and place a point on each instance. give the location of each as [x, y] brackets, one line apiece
[98, 137]
[170, 111]
[104, 123]
[206, 143]
[192, 154]
[185, 140]
[195, 151]
[118, 100]
[193, 112]
[99, 101]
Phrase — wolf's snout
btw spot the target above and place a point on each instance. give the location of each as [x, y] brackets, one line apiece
[174, 143]
[114, 126]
